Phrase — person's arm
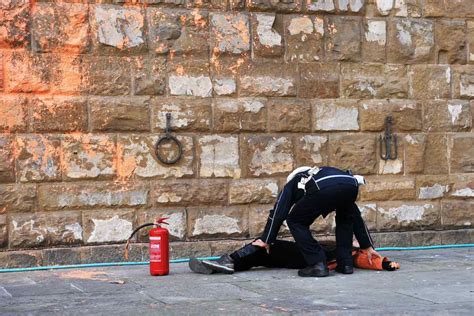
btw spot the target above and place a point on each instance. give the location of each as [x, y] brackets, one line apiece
[361, 232]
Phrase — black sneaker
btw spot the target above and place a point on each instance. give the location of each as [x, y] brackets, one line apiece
[196, 266]
[224, 264]
[345, 269]
[319, 270]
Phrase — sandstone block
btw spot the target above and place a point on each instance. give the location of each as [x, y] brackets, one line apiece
[115, 27]
[384, 6]
[406, 115]
[176, 220]
[353, 151]
[320, 6]
[398, 239]
[7, 160]
[432, 187]
[384, 188]
[63, 114]
[218, 156]
[119, 113]
[190, 79]
[269, 5]
[324, 225]
[45, 229]
[190, 192]
[61, 256]
[264, 79]
[66, 74]
[17, 198]
[80, 196]
[137, 158]
[186, 114]
[38, 158]
[350, 5]
[224, 72]
[410, 41]
[289, 115]
[88, 156]
[230, 33]
[343, 39]
[374, 81]
[107, 225]
[457, 214]
[450, 116]
[319, 81]
[27, 72]
[60, 27]
[210, 4]
[13, 113]
[462, 186]
[2, 83]
[149, 76]
[3, 231]
[243, 114]
[217, 222]
[112, 253]
[437, 8]
[450, 41]
[369, 214]
[414, 145]
[430, 81]
[436, 154]
[14, 23]
[265, 155]
[458, 236]
[425, 238]
[335, 115]
[104, 75]
[393, 216]
[267, 39]
[463, 82]
[408, 8]
[258, 215]
[470, 42]
[248, 191]
[304, 38]
[187, 249]
[374, 40]
[311, 150]
[17, 259]
[461, 147]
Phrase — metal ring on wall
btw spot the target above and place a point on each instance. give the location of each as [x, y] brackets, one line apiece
[174, 140]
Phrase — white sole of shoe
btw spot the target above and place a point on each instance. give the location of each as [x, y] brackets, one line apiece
[217, 267]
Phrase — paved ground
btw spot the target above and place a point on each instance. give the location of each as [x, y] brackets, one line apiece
[430, 282]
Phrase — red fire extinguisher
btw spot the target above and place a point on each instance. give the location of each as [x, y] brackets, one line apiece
[158, 247]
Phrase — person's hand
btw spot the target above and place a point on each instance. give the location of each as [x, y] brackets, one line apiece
[371, 253]
[261, 243]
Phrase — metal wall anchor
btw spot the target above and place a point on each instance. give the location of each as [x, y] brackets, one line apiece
[389, 140]
[168, 138]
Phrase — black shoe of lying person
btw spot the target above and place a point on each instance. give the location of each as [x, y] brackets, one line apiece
[345, 269]
[224, 264]
[197, 266]
[319, 270]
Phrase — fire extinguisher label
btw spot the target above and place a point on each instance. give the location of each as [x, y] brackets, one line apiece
[155, 253]
[155, 238]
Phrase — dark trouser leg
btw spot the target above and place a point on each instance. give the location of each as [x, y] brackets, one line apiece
[285, 254]
[249, 256]
[344, 232]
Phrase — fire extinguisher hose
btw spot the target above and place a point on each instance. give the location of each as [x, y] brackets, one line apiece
[131, 236]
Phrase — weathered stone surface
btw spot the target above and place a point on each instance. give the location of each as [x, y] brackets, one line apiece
[186, 114]
[374, 40]
[335, 115]
[368, 211]
[13, 113]
[178, 32]
[438, 8]
[61, 256]
[3, 231]
[463, 82]
[26, 72]
[407, 216]
[175, 218]
[450, 41]
[38, 158]
[425, 238]
[267, 155]
[434, 8]
[350, 5]
[470, 42]
[384, 6]
[190, 192]
[258, 215]
[190, 79]
[113, 253]
[461, 148]
[210, 4]
[107, 225]
[319, 81]
[64, 114]
[14, 23]
[450, 116]
[457, 214]
[24, 259]
[374, 81]
[62, 26]
[410, 41]
[415, 145]
[392, 240]
[149, 76]
[264, 79]
[384, 188]
[66, 74]
[353, 151]
[45, 229]
[320, 6]
[217, 222]
[243, 114]
[224, 73]
[462, 186]
[253, 191]
[343, 39]
[432, 187]
[17, 198]
[436, 154]
[458, 236]
[269, 5]
[7, 159]
[311, 150]
[406, 115]
[289, 115]
[218, 156]
[304, 38]
[230, 33]
[267, 35]
[114, 27]
[106, 75]
[101, 195]
[408, 8]
[430, 81]
[119, 114]
[324, 225]
[137, 158]
[88, 156]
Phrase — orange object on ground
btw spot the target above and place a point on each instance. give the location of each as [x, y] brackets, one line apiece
[361, 261]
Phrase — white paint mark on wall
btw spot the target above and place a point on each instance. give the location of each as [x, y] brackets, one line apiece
[200, 86]
[465, 192]
[112, 229]
[384, 6]
[403, 34]
[433, 192]
[455, 110]
[300, 25]
[224, 86]
[215, 224]
[253, 106]
[267, 84]
[407, 213]
[76, 230]
[321, 5]
[376, 32]
[273, 188]
[266, 34]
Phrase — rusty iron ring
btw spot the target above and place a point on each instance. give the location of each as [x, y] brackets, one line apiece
[168, 137]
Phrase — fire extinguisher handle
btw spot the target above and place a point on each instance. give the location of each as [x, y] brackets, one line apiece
[162, 220]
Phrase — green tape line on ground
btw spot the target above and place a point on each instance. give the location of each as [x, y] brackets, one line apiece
[139, 263]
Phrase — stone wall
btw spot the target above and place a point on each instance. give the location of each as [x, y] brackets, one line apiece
[255, 88]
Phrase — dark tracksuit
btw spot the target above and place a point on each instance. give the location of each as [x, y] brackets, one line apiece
[331, 189]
